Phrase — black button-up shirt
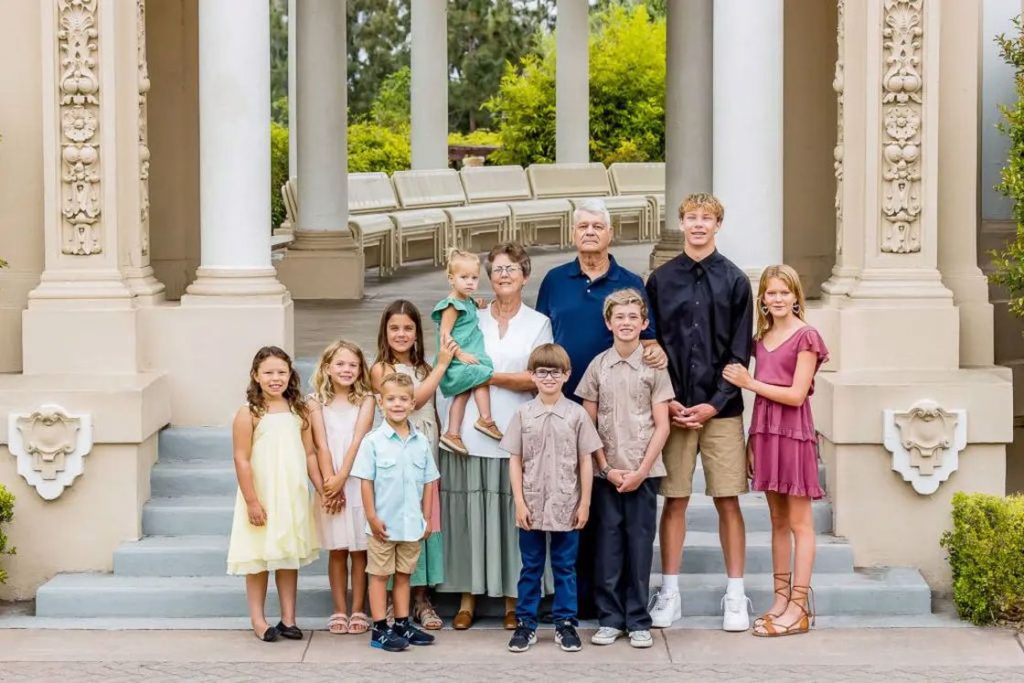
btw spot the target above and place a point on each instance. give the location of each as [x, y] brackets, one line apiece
[704, 313]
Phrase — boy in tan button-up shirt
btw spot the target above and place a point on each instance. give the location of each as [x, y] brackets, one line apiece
[629, 401]
[550, 440]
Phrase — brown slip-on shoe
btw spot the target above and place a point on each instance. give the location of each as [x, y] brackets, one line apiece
[453, 442]
[488, 428]
[462, 620]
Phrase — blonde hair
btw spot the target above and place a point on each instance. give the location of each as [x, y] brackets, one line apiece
[455, 254]
[323, 387]
[549, 356]
[702, 200]
[624, 297]
[790, 278]
[399, 379]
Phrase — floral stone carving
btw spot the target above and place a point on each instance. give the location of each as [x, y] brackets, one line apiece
[50, 445]
[925, 442]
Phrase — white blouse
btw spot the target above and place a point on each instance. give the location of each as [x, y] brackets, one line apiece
[527, 330]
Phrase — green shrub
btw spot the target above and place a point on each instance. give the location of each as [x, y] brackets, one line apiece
[480, 136]
[986, 554]
[6, 515]
[1009, 262]
[376, 148]
[278, 171]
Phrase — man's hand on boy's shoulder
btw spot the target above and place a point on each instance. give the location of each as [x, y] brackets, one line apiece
[655, 356]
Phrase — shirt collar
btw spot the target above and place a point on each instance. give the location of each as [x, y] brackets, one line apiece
[390, 433]
[689, 264]
[561, 407]
[612, 274]
[635, 360]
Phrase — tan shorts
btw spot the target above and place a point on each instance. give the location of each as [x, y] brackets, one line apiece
[384, 558]
[723, 456]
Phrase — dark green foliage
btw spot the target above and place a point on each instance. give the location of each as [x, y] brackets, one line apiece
[986, 554]
[278, 171]
[1009, 262]
[279, 56]
[378, 46]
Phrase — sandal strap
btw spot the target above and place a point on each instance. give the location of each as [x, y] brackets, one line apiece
[807, 594]
[786, 579]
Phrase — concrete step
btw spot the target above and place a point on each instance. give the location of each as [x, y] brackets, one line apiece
[206, 556]
[206, 515]
[193, 478]
[888, 591]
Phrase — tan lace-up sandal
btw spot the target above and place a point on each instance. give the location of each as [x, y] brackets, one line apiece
[803, 598]
[783, 590]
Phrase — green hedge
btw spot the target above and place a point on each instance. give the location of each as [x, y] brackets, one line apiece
[986, 553]
[1008, 262]
[278, 171]
[6, 515]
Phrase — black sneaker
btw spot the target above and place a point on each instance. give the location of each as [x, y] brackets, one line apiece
[413, 635]
[522, 639]
[567, 638]
[388, 640]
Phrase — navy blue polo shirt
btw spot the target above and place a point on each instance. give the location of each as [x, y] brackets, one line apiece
[575, 305]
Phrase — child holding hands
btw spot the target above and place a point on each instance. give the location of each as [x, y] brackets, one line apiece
[274, 528]
[629, 401]
[551, 441]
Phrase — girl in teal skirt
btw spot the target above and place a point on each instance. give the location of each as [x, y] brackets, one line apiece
[471, 368]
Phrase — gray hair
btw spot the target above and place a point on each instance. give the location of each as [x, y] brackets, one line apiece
[592, 205]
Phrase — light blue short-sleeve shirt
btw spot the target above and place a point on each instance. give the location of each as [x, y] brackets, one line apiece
[399, 469]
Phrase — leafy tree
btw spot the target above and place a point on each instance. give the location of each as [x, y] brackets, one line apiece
[278, 171]
[279, 57]
[378, 46]
[1009, 262]
[391, 108]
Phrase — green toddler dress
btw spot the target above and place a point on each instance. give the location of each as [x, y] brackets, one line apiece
[459, 377]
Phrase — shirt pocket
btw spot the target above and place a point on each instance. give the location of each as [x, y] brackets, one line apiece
[387, 470]
[419, 469]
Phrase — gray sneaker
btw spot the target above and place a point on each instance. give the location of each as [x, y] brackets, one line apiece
[606, 635]
[640, 639]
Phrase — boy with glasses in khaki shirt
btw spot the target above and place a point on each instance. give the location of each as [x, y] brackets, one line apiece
[629, 401]
[550, 440]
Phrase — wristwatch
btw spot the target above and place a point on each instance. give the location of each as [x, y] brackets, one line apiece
[603, 472]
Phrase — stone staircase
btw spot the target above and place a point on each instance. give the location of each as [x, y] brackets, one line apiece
[178, 568]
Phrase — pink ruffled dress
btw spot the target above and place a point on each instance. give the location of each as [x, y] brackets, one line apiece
[783, 437]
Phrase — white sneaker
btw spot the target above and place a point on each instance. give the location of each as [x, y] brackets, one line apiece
[737, 612]
[606, 635]
[640, 639]
[665, 608]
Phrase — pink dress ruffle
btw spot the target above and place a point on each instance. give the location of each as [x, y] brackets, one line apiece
[782, 437]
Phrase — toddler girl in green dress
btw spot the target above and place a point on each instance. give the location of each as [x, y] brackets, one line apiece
[471, 368]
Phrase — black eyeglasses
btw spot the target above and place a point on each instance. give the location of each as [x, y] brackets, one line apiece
[545, 373]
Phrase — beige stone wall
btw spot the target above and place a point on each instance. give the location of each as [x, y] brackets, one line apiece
[21, 155]
[172, 32]
[809, 134]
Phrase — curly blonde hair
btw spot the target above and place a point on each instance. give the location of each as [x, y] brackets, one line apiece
[323, 387]
[791, 279]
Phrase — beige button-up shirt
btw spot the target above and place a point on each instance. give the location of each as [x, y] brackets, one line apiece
[625, 389]
[551, 441]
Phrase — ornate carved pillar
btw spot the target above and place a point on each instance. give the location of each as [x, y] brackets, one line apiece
[572, 83]
[429, 96]
[687, 119]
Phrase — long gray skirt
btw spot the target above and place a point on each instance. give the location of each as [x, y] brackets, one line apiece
[478, 515]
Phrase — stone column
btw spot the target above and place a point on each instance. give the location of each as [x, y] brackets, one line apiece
[323, 262]
[293, 97]
[572, 83]
[688, 132]
[747, 96]
[429, 96]
[895, 378]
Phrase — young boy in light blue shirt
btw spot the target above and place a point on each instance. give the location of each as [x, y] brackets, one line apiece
[396, 467]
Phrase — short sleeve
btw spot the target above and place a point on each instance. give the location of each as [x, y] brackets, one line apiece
[365, 465]
[544, 336]
[431, 473]
[810, 340]
[587, 438]
[512, 442]
[458, 304]
[588, 388]
[662, 389]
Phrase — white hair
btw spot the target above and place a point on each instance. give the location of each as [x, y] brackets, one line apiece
[592, 206]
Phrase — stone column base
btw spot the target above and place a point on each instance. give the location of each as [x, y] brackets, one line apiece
[886, 521]
[102, 507]
[80, 337]
[206, 346]
[335, 274]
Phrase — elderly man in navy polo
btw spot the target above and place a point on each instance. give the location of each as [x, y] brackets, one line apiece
[572, 296]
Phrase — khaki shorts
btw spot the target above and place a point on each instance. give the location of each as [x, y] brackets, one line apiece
[723, 455]
[384, 558]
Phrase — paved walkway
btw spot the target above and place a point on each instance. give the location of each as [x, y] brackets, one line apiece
[941, 654]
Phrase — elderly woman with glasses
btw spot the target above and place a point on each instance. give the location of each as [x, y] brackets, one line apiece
[481, 551]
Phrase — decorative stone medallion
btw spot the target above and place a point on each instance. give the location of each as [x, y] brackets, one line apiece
[50, 445]
[925, 442]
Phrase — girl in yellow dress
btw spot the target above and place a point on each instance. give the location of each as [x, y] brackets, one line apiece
[274, 527]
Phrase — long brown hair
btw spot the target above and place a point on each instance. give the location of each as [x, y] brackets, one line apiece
[792, 281]
[323, 387]
[385, 354]
[254, 394]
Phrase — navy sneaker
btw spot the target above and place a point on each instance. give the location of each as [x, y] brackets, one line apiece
[522, 639]
[404, 629]
[387, 640]
[567, 638]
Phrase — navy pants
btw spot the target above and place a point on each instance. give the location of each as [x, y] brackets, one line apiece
[624, 525]
[533, 550]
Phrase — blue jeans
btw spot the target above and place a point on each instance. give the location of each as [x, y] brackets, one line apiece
[533, 550]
